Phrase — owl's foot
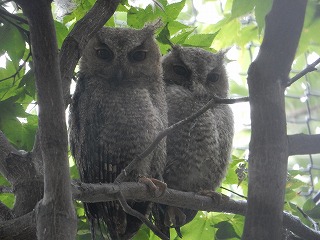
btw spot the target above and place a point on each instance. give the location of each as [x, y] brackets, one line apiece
[216, 197]
[156, 186]
[174, 217]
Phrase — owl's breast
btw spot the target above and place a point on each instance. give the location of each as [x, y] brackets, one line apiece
[124, 121]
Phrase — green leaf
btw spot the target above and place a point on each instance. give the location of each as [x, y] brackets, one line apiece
[241, 7]
[12, 41]
[142, 234]
[199, 228]
[200, 40]
[173, 10]
[247, 35]
[28, 82]
[164, 35]
[7, 199]
[227, 34]
[263, 7]
[314, 212]
[182, 36]
[19, 134]
[61, 32]
[176, 26]
[308, 205]
[225, 230]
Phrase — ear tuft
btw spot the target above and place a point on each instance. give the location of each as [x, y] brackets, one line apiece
[152, 27]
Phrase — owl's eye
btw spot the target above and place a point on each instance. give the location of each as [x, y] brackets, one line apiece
[213, 77]
[181, 70]
[105, 54]
[138, 55]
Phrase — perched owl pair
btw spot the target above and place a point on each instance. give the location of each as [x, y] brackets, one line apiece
[123, 99]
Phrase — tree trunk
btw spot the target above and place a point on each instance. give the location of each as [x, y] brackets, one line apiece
[267, 79]
[55, 214]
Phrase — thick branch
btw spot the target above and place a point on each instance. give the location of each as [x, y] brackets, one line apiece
[269, 145]
[22, 228]
[24, 178]
[108, 192]
[55, 214]
[5, 213]
[173, 127]
[77, 39]
[5, 149]
[300, 144]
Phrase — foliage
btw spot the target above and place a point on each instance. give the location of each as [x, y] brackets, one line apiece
[238, 25]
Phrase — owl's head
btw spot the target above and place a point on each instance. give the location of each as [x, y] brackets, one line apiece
[122, 55]
[199, 71]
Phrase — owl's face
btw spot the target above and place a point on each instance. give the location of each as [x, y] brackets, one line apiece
[121, 55]
[199, 71]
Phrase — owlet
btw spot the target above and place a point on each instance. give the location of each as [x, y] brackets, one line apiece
[198, 153]
[118, 109]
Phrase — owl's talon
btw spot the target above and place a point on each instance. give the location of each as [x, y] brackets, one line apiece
[174, 217]
[216, 197]
[156, 186]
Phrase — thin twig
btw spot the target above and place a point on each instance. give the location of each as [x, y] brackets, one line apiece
[309, 68]
[19, 69]
[16, 25]
[164, 133]
[140, 216]
[13, 16]
[235, 193]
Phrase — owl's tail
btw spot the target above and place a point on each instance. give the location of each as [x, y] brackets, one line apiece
[112, 222]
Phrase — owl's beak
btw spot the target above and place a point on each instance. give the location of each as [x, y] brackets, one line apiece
[119, 75]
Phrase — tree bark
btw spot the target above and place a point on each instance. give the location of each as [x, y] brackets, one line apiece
[267, 79]
[55, 214]
[136, 191]
[300, 144]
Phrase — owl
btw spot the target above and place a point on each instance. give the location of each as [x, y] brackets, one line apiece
[199, 152]
[117, 110]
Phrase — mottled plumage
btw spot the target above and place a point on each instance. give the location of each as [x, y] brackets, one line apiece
[197, 154]
[118, 109]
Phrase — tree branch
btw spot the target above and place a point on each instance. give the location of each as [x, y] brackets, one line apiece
[140, 192]
[309, 68]
[173, 127]
[21, 228]
[5, 213]
[5, 149]
[301, 144]
[24, 178]
[13, 16]
[78, 38]
[18, 70]
[269, 145]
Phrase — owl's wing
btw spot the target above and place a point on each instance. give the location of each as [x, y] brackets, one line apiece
[105, 170]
